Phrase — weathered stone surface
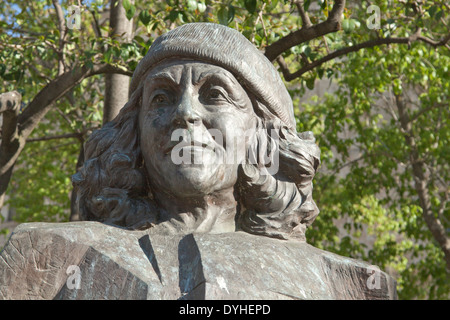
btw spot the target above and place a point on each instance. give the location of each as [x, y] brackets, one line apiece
[202, 153]
[118, 264]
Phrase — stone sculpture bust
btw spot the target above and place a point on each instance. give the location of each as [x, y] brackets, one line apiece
[178, 188]
[203, 91]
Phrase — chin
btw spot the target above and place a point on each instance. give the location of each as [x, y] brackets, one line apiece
[195, 180]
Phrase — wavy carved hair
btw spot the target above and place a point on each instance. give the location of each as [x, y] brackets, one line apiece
[112, 186]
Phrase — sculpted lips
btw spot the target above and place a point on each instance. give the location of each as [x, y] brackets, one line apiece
[190, 145]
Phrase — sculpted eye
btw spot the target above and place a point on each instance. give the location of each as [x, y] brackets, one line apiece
[217, 94]
[160, 99]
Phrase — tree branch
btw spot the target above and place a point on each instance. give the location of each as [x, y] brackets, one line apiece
[62, 35]
[95, 25]
[434, 43]
[368, 44]
[10, 101]
[61, 136]
[20, 126]
[332, 24]
[44, 100]
[57, 88]
[256, 22]
[425, 110]
[303, 15]
[10, 108]
[262, 24]
[78, 135]
[284, 68]
[109, 69]
[421, 183]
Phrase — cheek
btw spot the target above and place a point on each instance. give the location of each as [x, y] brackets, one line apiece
[152, 136]
[232, 123]
[237, 131]
[146, 130]
[156, 118]
[154, 122]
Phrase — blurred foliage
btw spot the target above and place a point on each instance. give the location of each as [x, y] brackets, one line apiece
[365, 187]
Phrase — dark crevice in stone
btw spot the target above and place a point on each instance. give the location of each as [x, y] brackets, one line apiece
[191, 278]
[146, 246]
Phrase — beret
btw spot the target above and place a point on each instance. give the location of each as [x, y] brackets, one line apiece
[227, 48]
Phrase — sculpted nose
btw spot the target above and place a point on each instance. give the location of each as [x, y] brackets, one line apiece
[186, 113]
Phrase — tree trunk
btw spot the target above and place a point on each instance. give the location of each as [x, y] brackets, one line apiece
[11, 143]
[7, 161]
[117, 85]
[421, 181]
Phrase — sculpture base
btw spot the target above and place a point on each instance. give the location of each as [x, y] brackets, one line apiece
[90, 260]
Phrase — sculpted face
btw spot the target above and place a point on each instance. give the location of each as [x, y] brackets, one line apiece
[172, 156]
[194, 124]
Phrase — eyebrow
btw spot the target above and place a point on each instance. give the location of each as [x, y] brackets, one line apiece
[207, 75]
[164, 76]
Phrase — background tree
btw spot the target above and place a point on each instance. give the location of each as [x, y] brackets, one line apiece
[56, 59]
[117, 85]
[392, 146]
[382, 129]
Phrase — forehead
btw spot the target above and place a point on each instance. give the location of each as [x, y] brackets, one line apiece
[195, 70]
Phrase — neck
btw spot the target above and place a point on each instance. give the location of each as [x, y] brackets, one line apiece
[212, 213]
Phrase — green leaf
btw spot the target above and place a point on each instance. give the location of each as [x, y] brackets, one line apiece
[89, 64]
[126, 4]
[310, 83]
[173, 15]
[107, 56]
[139, 40]
[201, 6]
[432, 10]
[145, 17]
[330, 73]
[225, 15]
[230, 13]
[307, 51]
[348, 25]
[182, 16]
[250, 5]
[130, 13]
[222, 15]
[306, 4]
[322, 4]
[192, 5]
[270, 5]
[320, 72]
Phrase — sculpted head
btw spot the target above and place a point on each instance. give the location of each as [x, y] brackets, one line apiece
[206, 143]
[193, 116]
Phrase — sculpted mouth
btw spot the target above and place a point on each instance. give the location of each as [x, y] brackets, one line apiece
[191, 144]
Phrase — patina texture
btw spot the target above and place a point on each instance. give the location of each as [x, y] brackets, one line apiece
[201, 188]
[121, 264]
[210, 87]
